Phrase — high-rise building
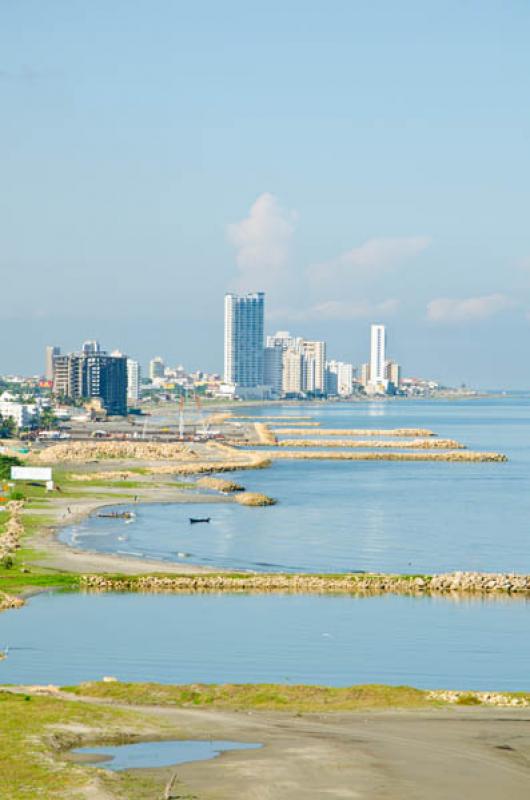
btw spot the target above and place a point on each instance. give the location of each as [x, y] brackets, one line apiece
[284, 340]
[91, 346]
[339, 376]
[156, 368]
[51, 352]
[273, 368]
[315, 368]
[293, 369]
[378, 381]
[93, 374]
[365, 375]
[393, 373]
[243, 356]
[133, 380]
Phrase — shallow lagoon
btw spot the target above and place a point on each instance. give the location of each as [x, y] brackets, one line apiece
[347, 516]
[426, 642]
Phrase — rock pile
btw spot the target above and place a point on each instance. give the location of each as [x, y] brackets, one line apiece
[87, 451]
[255, 499]
[7, 601]
[220, 485]
[479, 698]
[13, 529]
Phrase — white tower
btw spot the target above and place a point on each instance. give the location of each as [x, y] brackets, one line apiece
[378, 358]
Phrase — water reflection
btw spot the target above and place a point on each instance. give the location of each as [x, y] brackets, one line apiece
[432, 642]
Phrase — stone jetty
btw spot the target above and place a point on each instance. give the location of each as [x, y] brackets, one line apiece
[428, 455]
[404, 444]
[264, 434]
[450, 584]
[403, 432]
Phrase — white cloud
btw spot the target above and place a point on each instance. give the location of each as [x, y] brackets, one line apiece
[340, 310]
[262, 241]
[445, 309]
[371, 257]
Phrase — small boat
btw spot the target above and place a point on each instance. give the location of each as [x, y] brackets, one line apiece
[194, 520]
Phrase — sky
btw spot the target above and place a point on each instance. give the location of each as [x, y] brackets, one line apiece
[359, 161]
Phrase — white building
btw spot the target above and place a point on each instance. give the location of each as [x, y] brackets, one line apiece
[293, 369]
[24, 415]
[133, 380]
[243, 352]
[51, 352]
[156, 368]
[378, 383]
[284, 340]
[315, 368]
[341, 375]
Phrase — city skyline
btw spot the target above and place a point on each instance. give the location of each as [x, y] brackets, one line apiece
[377, 169]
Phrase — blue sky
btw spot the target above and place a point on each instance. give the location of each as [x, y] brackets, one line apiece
[361, 162]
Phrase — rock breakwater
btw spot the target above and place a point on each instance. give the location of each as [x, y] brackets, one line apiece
[456, 583]
[403, 432]
[264, 434]
[405, 444]
[333, 455]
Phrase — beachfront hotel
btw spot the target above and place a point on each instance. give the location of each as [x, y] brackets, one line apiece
[243, 352]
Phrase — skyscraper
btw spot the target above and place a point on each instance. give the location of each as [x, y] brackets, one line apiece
[93, 374]
[315, 357]
[133, 380]
[378, 358]
[243, 356]
[51, 352]
[273, 368]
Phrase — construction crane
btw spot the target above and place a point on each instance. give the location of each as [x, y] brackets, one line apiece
[181, 417]
[205, 425]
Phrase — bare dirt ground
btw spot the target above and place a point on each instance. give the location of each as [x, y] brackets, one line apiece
[453, 753]
[384, 756]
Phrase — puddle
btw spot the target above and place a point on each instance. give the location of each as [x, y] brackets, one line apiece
[155, 754]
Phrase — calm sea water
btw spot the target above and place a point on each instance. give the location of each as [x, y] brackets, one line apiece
[426, 642]
[336, 517]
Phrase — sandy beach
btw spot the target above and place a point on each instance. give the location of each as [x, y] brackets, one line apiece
[64, 511]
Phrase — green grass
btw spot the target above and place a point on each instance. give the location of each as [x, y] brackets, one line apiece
[31, 742]
[265, 697]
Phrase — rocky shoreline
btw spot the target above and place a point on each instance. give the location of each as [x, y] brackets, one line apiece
[7, 601]
[454, 583]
